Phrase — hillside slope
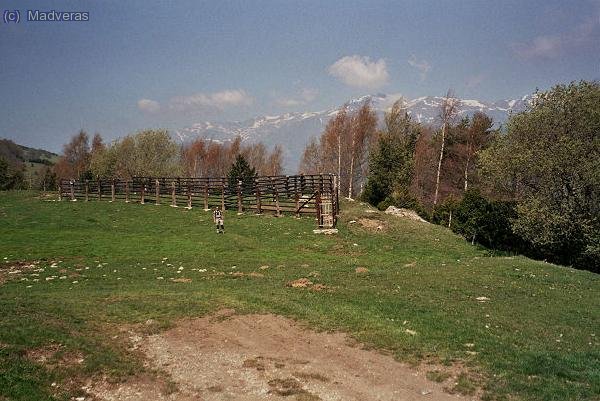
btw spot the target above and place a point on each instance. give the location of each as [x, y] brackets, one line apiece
[76, 276]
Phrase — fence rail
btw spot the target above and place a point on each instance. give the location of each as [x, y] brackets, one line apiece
[296, 194]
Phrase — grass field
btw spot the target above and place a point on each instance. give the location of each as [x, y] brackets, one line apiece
[88, 268]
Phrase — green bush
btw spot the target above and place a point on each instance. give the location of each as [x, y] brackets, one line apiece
[480, 220]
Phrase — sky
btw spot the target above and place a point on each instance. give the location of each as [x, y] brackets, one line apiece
[157, 64]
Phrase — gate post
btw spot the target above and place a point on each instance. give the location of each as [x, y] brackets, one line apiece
[126, 191]
[112, 190]
[87, 190]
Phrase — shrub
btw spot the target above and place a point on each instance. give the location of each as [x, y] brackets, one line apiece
[480, 220]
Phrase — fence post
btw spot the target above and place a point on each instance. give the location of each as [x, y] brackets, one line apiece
[143, 193]
[157, 191]
[112, 190]
[206, 182]
[297, 197]
[239, 196]
[258, 200]
[126, 191]
[99, 183]
[318, 207]
[72, 184]
[60, 190]
[189, 195]
[173, 197]
[276, 193]
[87, 190]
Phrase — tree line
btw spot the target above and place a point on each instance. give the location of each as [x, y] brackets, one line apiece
[532, 186]
[154, 153]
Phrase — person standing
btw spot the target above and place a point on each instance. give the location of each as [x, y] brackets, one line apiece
[218, 219]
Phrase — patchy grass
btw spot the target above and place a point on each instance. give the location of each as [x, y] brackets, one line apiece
[438, 376]
[311, 376]
[86, 269]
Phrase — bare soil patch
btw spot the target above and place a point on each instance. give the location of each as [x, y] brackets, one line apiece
[373, 224]
[257, 357]
[54, 356]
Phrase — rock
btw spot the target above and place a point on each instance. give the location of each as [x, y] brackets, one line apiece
[405, 213]
[326, 231]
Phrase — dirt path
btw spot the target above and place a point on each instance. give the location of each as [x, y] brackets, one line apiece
[257, 357]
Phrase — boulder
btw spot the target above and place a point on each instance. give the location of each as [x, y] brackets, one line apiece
[406, 213]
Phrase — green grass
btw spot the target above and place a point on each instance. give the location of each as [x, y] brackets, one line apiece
[536, 338]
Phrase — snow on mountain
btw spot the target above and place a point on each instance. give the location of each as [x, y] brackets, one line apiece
[293, 130]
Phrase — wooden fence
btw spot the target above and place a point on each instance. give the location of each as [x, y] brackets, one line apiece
[296, 194]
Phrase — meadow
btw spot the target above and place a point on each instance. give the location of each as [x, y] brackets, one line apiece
[72, 273]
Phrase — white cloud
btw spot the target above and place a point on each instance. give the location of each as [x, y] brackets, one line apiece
[540, 46]
[586, 33]
[148, 105]
[360, 71]
[217, 100]
[422, 66]
[305, 96]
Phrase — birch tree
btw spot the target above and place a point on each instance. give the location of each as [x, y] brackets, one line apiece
[448, 111]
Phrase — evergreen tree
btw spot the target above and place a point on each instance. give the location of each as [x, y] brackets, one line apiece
[241, 171]
[391, 165]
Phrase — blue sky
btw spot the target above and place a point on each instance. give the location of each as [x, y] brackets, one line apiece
[140, 64]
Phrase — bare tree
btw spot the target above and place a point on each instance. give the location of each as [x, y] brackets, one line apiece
[362, 130]
[76, 157]
[311, 158]
[448, 111]
[275, 161]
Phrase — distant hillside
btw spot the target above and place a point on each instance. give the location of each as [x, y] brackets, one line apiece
[17, 154]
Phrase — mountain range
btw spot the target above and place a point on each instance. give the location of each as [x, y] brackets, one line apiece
[293, 130]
